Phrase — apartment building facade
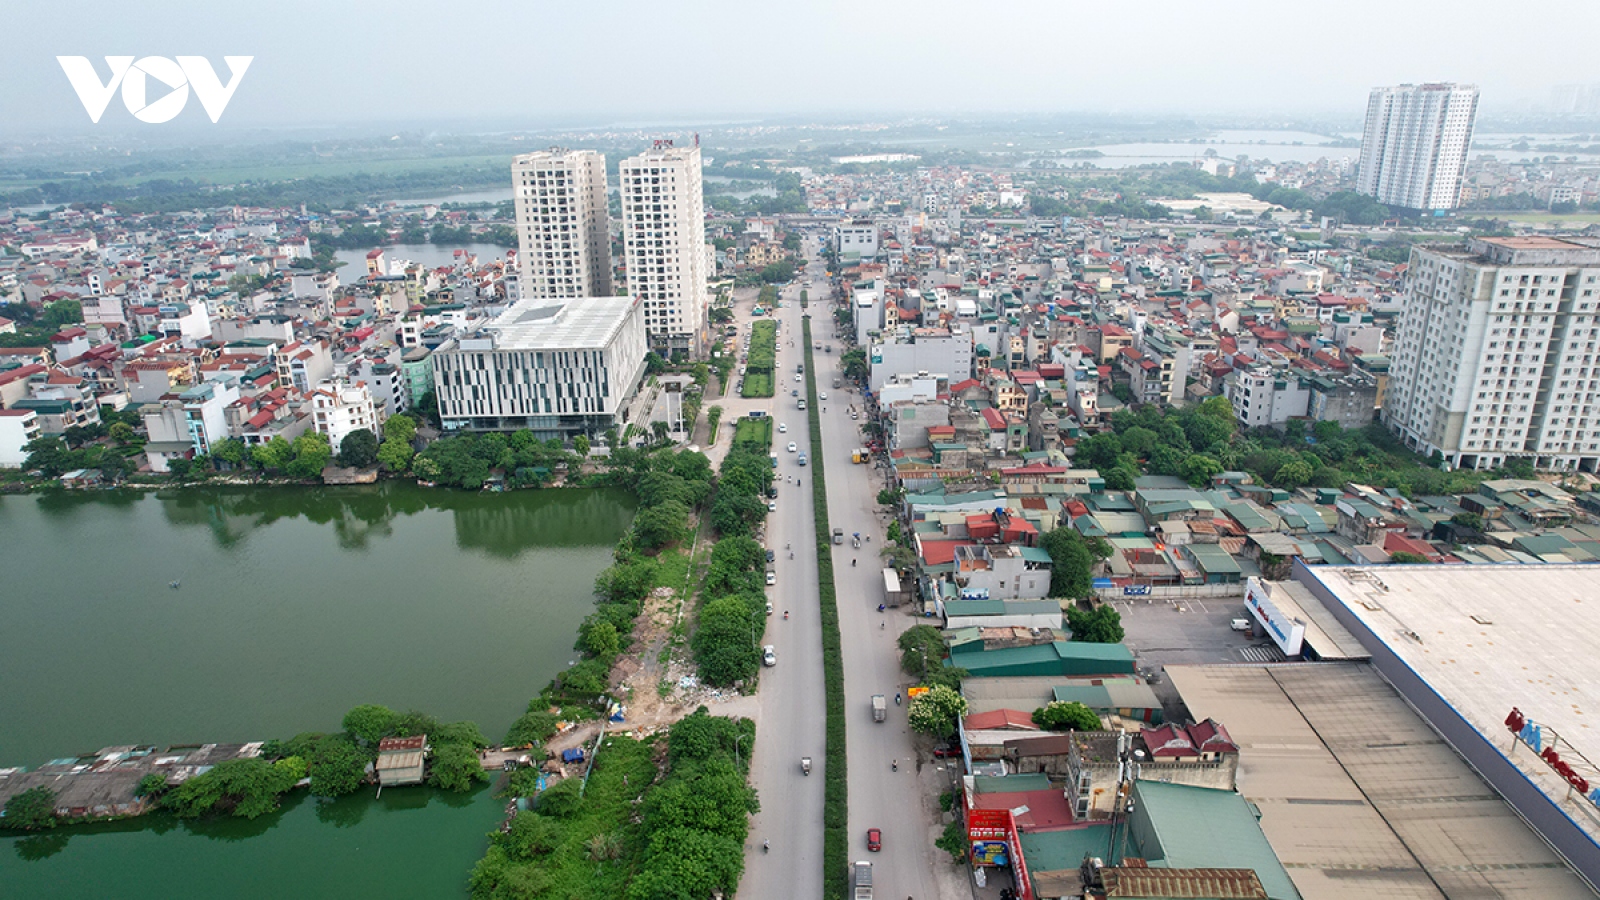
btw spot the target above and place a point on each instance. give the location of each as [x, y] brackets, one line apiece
[1414, 146]
[1496, 355]
[563, 239]
[664, 245]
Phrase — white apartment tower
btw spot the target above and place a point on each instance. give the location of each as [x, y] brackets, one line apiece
[1496, 354]
[1414, 148]
[664, 241]
[563, 241]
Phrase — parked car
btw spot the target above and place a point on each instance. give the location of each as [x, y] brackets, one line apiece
[771, 555]
[1240, 624]
[874, 839]
[769, 655]
[772, 577]
[772, 506]
[946, 751]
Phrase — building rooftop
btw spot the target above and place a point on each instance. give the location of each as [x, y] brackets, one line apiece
[1357, 794]
[547, 324]
[1490, 638]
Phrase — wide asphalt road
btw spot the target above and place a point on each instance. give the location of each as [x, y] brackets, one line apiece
[790, 724]
[895, 801]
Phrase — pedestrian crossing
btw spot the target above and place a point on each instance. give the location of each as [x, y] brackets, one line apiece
[1267, 654]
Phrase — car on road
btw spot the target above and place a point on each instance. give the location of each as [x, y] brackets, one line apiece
[772, 577]
[769, 607]
[772, 506]
[823, 395]
[802, 459]
[783, 428]
[874, 839]
[771, 555]
[793, 447]
[769, 655]
[798, 377]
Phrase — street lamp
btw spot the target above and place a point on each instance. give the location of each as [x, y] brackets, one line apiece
[736, 741]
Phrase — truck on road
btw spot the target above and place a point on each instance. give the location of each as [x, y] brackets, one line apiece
[861, 880]
[880, 708]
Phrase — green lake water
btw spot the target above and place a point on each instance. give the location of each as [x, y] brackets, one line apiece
[292, 606]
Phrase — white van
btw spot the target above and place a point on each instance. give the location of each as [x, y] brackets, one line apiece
[1240, 624]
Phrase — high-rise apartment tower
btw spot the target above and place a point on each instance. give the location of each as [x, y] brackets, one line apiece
[664, 245]
[1414, 148]
[564, 248]
[1497, 354]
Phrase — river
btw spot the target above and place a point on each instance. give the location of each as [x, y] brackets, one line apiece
[292, 605]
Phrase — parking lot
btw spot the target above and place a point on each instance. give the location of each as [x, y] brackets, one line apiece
[1188, 631]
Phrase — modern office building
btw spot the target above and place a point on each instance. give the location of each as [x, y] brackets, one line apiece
[1414, 147]
[664, 245]
[560, 368]
[1495, 356]
[563, 241]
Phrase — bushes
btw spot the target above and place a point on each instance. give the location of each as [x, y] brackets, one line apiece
[697, 818]
[835, 787]
[759, 364]
[732, 615]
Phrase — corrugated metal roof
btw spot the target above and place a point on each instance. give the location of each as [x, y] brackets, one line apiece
[1200, 884]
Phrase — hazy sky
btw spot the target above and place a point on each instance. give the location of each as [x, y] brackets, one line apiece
[599, 61]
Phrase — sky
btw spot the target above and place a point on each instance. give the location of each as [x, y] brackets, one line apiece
[596, 62]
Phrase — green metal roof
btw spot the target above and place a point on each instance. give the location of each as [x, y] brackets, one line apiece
[1053, 851]
[1181, 827]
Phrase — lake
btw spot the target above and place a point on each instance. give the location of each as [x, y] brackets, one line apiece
[293, 605]
[430, 255]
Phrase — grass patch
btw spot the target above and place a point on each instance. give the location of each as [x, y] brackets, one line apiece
[621, 771]
[836, 783]
[759, 377]
[755, 432]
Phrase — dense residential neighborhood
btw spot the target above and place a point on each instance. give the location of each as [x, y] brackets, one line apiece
[1167, 505]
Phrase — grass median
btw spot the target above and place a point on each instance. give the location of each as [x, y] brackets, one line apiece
[836, 784]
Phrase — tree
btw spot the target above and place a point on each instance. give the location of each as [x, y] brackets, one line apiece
[600, 639]
[400, 428]
[1101, 625]
[1468, 520]
[32, 809]
[580, 445]
[359, 449]
[311, 455]
[922, 650]
[231, 451]
[395, 455]
[455, 767]
[660, 525]
[954, 841]
[1066, 716]
[1138, 440]
[336, 766]
[49, 455]
[1073, 558]
[1401, 556]
[1199, 468]
[1292, 474]
[369, 723]
[1120, 478]
[121, 432]
[274, 455]
[935, 712]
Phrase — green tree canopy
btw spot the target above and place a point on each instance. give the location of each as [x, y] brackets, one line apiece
[359, 449]
[1073, 557]
[369, 723]
[935, 712]
[1066, 716]
[1101, 625]
[32, 809]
